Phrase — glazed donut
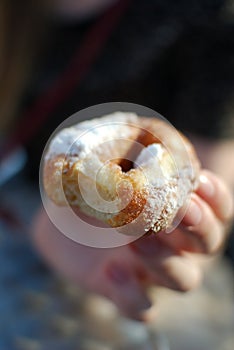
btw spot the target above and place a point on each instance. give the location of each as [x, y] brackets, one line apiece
[133, 173]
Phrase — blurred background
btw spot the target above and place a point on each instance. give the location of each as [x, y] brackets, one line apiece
[57, 57]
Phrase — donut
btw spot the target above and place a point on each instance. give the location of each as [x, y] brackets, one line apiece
[132, 172]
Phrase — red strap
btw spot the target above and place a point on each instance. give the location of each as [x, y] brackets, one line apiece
[80, 64]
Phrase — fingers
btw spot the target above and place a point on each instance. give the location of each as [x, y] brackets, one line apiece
[201, 222]
[166, 266]
[203, 229]
[213, 190]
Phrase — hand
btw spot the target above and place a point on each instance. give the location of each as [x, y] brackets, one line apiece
[123, 274]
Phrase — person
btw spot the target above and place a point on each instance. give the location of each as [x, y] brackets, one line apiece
[147, 59]
[124, 273]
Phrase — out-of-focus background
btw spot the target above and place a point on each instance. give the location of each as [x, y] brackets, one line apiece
[175, 57]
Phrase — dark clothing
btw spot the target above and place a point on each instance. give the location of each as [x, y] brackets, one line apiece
[174, 57]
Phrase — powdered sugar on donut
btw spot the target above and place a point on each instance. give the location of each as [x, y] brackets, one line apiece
[80, 139]
[149, 154]
[164, 201]
[93, 151]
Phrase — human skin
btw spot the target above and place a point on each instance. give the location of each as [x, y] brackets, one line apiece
[124, 274]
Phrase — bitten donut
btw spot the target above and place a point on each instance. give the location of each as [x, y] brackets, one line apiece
[133, 173]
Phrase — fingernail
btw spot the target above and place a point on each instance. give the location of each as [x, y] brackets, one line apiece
[206, 186]
[117, 274]
[194, 214]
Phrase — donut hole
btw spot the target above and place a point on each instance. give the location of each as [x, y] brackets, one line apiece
[126, 165]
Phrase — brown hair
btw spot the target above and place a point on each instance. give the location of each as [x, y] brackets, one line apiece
[21, 24]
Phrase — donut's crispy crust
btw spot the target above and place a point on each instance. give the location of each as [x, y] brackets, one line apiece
[104, 182]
